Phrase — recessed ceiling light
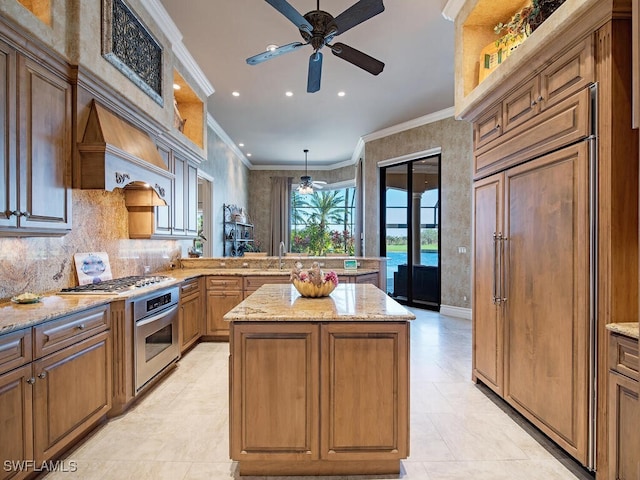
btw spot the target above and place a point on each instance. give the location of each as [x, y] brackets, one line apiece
[235, 94]
[271, 47]
[248, 154]
[241, 144]
[176, 86]
[341, 94]
[289, 94]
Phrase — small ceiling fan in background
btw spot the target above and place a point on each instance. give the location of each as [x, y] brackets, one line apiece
[307, 184]
[318, 28]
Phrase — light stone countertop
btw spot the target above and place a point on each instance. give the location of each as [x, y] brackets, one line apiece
[53, 305]
[348, 302]
[629, 329]
[16, 316]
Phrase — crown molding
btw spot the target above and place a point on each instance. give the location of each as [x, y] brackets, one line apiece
[218, 130]
[288, 166]
[169, 28]
[417, 122]
[452, 8]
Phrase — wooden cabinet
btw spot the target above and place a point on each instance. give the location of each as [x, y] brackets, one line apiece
[16, 416]
[531, 310]
[179, 218]
[71, 393]
[488, 313]
[371, 278]
[546, 294]
[47, 403]
[35, 146]
[223, 293]
[564, 212]
[185, 197]
[364, 409]
[624, 408]
[190, 313]
[635, 63]
[253, 282]
[319, 398]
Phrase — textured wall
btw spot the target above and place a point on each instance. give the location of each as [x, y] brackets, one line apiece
[99, 225]
[455, 139]
[259, 205]
[230, 180]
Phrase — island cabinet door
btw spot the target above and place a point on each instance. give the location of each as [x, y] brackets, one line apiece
[364, 391]
[274, 392]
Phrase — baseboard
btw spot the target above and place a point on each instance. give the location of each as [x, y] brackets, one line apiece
[452, 311]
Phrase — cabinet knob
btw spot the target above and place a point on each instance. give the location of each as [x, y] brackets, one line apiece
[31, 381]
[82, 326]
[25, 214]
[42, 375]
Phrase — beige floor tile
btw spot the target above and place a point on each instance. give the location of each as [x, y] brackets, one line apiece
[459, 430]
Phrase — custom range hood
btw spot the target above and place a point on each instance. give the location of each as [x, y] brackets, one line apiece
[115, 154]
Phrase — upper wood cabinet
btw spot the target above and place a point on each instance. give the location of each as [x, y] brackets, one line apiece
[635, 46]
[35, 146]
[179, 218]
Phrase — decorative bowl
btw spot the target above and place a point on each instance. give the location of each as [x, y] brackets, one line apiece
[26, 297]
[311, 290]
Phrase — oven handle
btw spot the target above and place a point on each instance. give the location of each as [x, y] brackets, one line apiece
[164, 313]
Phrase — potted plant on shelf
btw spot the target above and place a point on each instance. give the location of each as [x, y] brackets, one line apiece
[254, 250]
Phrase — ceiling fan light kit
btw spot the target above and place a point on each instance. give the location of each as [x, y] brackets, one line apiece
[306, 182]
[318, 28]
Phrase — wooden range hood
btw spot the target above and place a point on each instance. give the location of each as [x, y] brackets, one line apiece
[115, 154]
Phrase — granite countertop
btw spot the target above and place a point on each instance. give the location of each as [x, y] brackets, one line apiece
[184, 273]
[16, 316]
[629, 329]
[348, 302]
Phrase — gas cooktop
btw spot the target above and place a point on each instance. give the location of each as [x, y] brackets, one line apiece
[116, 286]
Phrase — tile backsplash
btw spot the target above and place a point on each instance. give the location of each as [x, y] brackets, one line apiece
[100, 223]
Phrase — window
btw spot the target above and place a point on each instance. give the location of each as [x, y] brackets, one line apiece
[323, 222]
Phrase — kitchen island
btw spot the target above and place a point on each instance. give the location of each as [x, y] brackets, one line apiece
[319, 386]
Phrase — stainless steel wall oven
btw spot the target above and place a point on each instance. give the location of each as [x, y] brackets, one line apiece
[156, 346]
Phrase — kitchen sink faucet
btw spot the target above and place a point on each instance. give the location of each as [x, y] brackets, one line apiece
[281, 251]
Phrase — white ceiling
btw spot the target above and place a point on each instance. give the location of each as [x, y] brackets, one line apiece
[411, 37]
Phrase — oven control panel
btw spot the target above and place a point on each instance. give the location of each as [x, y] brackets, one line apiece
[157, 302]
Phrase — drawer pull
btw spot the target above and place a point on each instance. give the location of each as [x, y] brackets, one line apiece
[82, 326]
[42, 375]
[31, 381]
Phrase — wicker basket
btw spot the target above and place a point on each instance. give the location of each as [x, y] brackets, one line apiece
[308, 289]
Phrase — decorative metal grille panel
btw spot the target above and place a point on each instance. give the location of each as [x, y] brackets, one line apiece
[128, 45]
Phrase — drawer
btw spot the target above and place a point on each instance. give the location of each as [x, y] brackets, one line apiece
[15, 349]
[557, 127]
[623, 355]
[189, 287]
[224, 283]
[56, 334]
[255, 282]
[487, 127]
[569, 73]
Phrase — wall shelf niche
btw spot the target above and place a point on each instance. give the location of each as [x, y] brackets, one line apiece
[189, 116]
[40, 8]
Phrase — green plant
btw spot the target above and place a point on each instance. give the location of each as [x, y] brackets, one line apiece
[516, 28]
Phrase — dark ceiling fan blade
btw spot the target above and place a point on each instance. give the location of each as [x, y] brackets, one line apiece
[358, 58]
[356, 14]
[291, 13]
[261, 57]
[315, 72]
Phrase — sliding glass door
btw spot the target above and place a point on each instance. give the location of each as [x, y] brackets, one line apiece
[410, 240]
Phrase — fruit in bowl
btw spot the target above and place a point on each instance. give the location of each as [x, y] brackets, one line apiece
[313, 283]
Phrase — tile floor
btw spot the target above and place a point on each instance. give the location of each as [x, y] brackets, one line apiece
[459, 431]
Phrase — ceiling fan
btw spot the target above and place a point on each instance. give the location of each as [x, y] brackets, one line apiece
[319, 28]
[306, 182]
